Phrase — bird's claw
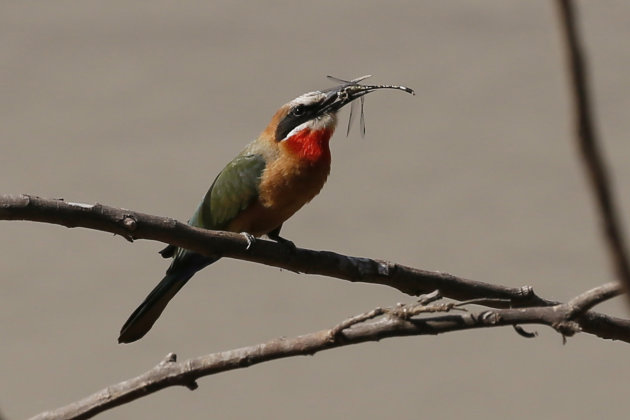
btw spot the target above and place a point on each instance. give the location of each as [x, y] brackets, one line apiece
[285, 242]
[275, 236]
[251, 240]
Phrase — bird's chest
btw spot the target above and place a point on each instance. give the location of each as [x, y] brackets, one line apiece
[285, 187]
[291, 179]
[290, 183]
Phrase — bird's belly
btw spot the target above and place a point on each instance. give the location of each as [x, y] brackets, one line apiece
[281, 195]
[259, 220]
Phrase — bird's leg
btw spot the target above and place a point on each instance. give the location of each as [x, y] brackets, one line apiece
[251, 239]
[274, 235]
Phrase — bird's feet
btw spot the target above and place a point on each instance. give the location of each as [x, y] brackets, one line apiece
[251, 240]
[283, 241]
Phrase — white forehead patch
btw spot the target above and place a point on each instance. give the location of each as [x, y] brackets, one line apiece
[308, 98]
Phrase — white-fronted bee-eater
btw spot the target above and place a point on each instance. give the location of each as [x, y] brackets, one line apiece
[264, 185]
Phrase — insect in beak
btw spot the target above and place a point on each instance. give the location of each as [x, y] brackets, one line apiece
[351, 90]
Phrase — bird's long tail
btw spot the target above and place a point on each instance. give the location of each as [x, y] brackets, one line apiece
[143, 318]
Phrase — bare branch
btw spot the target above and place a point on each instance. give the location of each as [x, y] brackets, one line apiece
[374, 325]
[588, 300]
[587, 139]
[412, 281]
[135, 225]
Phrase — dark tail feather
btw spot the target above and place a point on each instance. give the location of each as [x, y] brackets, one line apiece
[143, 318]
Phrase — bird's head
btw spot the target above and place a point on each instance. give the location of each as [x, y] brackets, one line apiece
[304, 125]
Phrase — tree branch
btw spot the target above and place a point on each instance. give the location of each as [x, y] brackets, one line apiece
[587, 140]
[134, 225]
[412, 281]
[587, 300]
[402, 320]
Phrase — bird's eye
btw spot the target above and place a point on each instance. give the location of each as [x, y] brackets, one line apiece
[298, 110]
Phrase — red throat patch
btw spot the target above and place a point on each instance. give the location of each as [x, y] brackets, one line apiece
[311, 145]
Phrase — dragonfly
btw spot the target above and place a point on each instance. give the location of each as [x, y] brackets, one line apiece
[353, 105]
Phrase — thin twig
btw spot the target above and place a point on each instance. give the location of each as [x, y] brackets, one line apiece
[374, 325]
[587, 300]
[135, 225]
[587, 139]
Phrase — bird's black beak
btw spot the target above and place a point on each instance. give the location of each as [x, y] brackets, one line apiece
[339, 96]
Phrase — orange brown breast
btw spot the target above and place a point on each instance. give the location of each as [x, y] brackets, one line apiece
[287, 183]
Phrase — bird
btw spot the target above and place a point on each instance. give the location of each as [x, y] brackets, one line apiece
[263, 186]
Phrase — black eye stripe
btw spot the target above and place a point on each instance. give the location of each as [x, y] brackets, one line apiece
[298, 110]
[293, 119]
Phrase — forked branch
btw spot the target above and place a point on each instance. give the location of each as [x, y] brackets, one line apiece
[589, 145]
[412, 281]
[375, 325]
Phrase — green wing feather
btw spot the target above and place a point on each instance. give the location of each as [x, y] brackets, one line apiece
[233, 190]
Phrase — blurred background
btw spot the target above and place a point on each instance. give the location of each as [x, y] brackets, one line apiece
[140, 104]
